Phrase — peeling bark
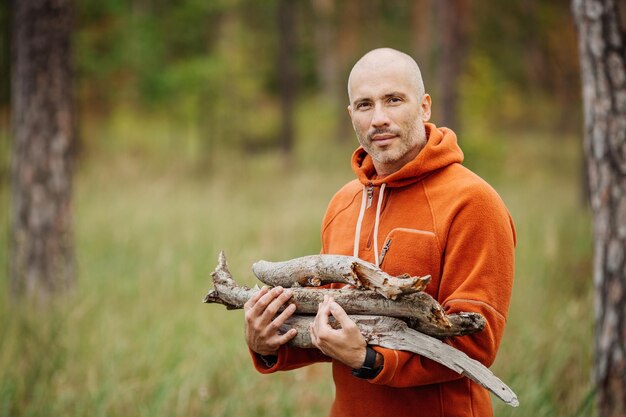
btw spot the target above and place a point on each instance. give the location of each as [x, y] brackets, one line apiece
[388, 332]
[602, 46]
[316, 270]
[421, 311]
[393, 333]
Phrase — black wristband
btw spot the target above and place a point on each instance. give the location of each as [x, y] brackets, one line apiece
[367, 371]
[268, 360]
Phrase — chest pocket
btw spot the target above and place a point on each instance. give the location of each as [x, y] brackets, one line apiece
[414, 252]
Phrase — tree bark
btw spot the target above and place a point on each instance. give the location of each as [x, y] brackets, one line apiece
[42, 256]
[388, 332]
[421, 36]
[316, 270]
[422, 312]
[394, 334]
[453, 21]
[347, 48]
[602, 46]
[325, 38]
[286, 73]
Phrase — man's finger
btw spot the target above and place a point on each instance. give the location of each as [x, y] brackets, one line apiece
[324, 313]
[272, 309]
[340, 314]
[316, 319]
[261, 305]
[284, 315]
[313, 333]
[255, 297]
[284, 338]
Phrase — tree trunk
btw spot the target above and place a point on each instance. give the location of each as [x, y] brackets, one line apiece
[453, 23]
[350, 14]
[286, 73]
[602, 52]
[421, 38]
[325, 38]
[42, 256]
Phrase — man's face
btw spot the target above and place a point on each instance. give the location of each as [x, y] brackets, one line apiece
[388, 116]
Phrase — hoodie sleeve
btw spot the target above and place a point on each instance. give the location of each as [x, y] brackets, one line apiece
[289, 358]
[477, 276]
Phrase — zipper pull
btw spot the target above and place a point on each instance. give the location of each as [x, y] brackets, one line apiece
[370, 196]
[384, 252]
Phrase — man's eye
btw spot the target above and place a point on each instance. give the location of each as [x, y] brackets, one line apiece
[362, 106]
[395, 100]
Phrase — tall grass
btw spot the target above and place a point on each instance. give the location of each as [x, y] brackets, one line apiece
[135, 340]
[546, 354]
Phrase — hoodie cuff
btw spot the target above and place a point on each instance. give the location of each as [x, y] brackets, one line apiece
[390, 364]
[270, 363]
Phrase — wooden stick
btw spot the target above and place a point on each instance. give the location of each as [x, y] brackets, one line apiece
[316, 270]
[394, 334]
[422, 311]
[388, 332]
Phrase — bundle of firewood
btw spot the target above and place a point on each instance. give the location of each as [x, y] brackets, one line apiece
[391, 312]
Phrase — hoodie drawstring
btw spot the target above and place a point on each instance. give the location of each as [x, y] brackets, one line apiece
[357, 234]
[378, 206]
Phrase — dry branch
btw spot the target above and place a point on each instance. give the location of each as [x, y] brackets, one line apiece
[387, 332]
[316, 270]
[394, 334]
[422, 311]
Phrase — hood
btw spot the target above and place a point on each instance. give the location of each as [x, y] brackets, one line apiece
[440, 151]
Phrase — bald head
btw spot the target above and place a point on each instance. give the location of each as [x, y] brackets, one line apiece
[379, 60]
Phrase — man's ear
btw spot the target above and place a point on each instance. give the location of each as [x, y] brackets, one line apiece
[349, 108]
[426, 107]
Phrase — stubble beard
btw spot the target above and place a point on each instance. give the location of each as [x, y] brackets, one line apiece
[396, 151]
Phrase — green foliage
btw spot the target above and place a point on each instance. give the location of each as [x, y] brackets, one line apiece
[200, 63]
[550, 329]
[522, 66]
[193, 63]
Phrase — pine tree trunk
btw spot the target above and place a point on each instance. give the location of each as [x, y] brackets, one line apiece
[325, 39]
[421, 37]
[350, 14]
[453, 17]
[42, 115]
[286, 72]
[603, 67]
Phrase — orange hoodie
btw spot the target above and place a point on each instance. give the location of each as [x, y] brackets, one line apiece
[432, 217]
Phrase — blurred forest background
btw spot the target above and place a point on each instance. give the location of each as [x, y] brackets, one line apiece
[221, 124]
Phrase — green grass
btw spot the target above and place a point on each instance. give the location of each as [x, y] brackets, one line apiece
[546, 354]
[134, 338]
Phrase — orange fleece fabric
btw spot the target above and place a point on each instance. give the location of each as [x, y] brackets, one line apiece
[436, 218]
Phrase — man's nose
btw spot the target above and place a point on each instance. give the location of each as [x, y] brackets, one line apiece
[379, 117]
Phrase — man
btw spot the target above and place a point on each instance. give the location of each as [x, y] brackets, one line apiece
[412, 209]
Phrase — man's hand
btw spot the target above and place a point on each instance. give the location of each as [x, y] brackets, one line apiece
[347, 344]
[262, 324]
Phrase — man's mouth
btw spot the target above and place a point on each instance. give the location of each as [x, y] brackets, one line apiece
[382, 139]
